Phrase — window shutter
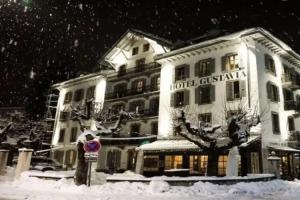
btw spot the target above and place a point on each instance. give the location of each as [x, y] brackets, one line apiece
[173, 74]
[133, 84]
[269, 92]
[277, 98]
[229, 89]
[242, 88]
[186, 97]
[267, 61]
[224, 62]
[212, 66]
[197, 95]
[172, 103]
[187, 71]
[212, 93]
[196, 68]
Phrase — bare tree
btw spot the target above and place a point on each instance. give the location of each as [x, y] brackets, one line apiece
[216, 139]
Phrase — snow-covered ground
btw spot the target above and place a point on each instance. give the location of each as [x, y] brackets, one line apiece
[30, 188]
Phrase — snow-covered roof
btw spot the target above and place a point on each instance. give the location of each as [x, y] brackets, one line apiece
[72, 81]
[168, 145]
[258, 34]
[251, 139]
[283, 148]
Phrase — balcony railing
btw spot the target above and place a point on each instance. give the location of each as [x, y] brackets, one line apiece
[139, 68]
[292, 105]
[291, 81]
[130, 92]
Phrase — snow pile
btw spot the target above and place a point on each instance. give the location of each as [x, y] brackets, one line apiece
[64, 189]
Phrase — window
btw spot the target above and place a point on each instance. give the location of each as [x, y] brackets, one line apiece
[140, 64]
[68, 97]
[291, 123]
[64, 116]
[70, 158]
[270, 64]
[205, 94]
[78, 96]
[182, 72]
[173, 162]
[73, 137]
[222, 163]
[180, 98]
[205, 117]
[230, 62]
[122, 70]
[275, 123]
[154, 128]
[272, 91]
[113, 160]
[61, 135]
[137, 106]
[146, 47]
[198, 164]
[151, 163]
[90, 93]
[120, 90]
[138, 85]
[135, 51]
[154, 105]
[205, 67]
[155, 83]
[235, 90]
[135, 129]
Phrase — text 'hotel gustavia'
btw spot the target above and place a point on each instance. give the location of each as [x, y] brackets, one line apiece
[212, 78]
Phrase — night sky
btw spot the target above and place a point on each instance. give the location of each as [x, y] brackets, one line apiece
[61, 39]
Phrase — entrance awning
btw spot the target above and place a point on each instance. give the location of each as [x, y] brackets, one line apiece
[169, 145]
[251, 140]
[284, 148]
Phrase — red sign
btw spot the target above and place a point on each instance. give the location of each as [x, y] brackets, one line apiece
[92, 146]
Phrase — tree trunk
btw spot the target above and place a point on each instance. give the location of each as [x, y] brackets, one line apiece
[82, 166]
[212, 163]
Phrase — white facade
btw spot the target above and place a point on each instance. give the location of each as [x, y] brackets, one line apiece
[245, 69]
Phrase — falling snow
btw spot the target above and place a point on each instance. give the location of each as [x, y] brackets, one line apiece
[62, 39]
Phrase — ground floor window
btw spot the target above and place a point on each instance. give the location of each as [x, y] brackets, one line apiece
[222, 163]
[151, 162]
[70, 158]
[198, 164]
[173, 162]
[113, 160]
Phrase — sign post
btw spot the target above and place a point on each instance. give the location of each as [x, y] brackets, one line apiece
[91, 148]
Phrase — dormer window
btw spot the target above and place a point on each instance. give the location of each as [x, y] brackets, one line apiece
[146, 47]
[135, 51]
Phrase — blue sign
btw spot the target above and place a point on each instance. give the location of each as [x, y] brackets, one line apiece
[92, 146]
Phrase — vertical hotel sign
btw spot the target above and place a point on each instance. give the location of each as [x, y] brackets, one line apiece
[236, 75]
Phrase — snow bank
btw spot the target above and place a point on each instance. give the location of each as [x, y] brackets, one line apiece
[34, 188]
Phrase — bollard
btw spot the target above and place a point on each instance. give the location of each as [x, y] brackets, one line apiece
[3, 160]
[23, 161]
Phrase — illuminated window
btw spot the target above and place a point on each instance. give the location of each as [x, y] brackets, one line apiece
[222, 163]
[198, 164]
[139, 86]
[151, 163]
[173, 162]
[230, 62]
